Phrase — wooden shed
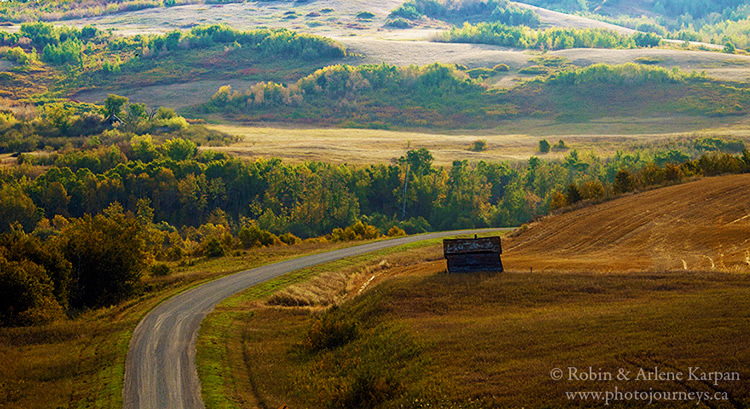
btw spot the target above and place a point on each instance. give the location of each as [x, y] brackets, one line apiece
[473, 255]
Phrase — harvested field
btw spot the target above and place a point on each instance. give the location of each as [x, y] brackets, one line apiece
[702, 225]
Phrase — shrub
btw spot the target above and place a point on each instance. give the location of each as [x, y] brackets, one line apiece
[398, 23]
[646, 39]
[592, 190]
[534, 70]
[480, 72]
[289, 238]
[572, 194]
[560, 146]
[180, 149]
[557, 201]
[160, 270]
[501, 68]
[213, 248]
[649, 60]
[395, 231]
[478, 146]
[254, 236]
[365, 15]
[651, 28]
[18, 55]
[24, 298]
[329, 331]
[357, 231]
[544, 146]
[624, 182]
[718, 144]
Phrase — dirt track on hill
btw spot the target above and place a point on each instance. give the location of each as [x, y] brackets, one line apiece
[702, 225]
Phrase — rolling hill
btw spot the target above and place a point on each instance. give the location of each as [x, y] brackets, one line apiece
[608, 291]
[702, 225]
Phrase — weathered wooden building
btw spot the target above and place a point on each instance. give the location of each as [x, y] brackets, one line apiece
[473, 255]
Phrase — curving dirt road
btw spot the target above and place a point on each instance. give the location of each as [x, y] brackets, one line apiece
[160, 371]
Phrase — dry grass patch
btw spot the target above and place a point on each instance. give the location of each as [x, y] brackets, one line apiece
[517, 141]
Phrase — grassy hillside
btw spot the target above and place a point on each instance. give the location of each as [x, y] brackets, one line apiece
[413, 336]
[67, 61]
[20, 11]
[443, 96]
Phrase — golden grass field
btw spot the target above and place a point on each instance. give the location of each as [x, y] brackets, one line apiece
[517, 141]
[609, 290]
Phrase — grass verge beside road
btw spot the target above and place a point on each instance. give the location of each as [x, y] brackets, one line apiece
[220, 355]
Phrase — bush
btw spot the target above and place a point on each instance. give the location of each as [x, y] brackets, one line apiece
[646, 39]
[180, 149]
[534, 70]
[557, 201]
[544, 146]
[501, 68]
[289, 238]
[395, 231]
[357, 231]
[480, 72]
[478, 146]
[718, 144]
[365, 15]
[624, 182]
[560, 146]
[160, 270]
[572, 194]
[329, 331]
[398, 23]
[18, 55]
[649, 60]
[213, 248]
[24, 298]
[254, 236]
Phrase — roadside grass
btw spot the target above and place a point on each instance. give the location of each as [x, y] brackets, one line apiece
[429, 339]
[80, 362]
[224, 382]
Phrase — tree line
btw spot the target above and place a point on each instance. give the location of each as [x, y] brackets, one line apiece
[67, 45]
[67, 124]
[459, 11]
[548, 39]
[440, 95]
[81, 231]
